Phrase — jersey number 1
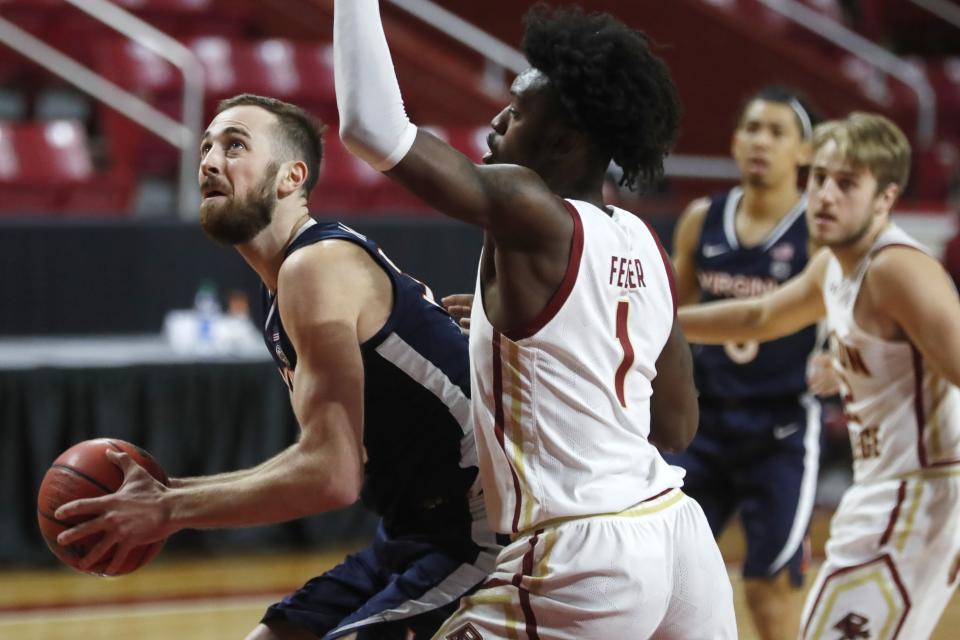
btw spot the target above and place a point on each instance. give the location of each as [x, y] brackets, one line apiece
[623, 335]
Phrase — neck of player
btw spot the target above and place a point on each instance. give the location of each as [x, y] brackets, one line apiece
[769, 202]
[265, 253]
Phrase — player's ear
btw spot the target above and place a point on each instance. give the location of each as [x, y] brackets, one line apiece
[565, 141]
[293, 175]
[887, 196]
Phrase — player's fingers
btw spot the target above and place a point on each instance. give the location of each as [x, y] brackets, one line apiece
[119, 558]
[97, 552]
[458, 300]
[459, 312]
[465, 326]
[82, 507]
[122, 460]
[79, 532]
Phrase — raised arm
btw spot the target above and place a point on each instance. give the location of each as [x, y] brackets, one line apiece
[686, 240]
[507, 200]
[322, 293]
[915, 292]
[795, 305]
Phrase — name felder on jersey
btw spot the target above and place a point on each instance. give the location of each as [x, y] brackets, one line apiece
[416, 401]
[727, 270]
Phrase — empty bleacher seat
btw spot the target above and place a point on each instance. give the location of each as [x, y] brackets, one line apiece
[293, 71]
[45, 165]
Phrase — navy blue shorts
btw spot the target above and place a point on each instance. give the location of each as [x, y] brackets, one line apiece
[762, 460]
[389, 589]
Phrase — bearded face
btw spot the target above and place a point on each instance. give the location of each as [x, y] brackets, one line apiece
[237, 218]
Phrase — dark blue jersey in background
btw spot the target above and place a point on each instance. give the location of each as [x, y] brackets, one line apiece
[756, 451]
[727, 270]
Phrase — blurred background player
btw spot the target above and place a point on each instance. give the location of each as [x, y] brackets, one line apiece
[758, 445]
[577, 361]
[379, 380]
[894, 321]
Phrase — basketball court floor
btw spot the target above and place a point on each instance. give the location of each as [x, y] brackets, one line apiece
[223, 598]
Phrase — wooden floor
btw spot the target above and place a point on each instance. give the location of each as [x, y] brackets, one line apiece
[221, 599]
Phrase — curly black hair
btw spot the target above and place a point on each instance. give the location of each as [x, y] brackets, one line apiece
[610, 85]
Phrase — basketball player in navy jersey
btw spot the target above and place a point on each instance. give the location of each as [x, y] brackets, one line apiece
[577, 363]
[379, 380]
[757, 448]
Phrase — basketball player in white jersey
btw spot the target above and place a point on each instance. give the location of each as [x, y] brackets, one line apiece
[894, 321]
[577, 361]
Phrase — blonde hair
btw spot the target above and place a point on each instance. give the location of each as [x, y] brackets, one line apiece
[869, 141]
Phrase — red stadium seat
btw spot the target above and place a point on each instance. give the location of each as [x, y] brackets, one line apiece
[315, 66]
[43, 165]
[297, 72]
[37, 160]
[289, 70]
[150, 77]
[349, 185]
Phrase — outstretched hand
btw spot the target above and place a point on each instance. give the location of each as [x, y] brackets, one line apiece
[822, 378]
[134, 515]
[459, 306]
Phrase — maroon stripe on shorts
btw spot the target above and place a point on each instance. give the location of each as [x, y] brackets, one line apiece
[901, 494]
[526, 570]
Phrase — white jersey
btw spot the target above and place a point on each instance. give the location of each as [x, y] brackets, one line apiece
[901, 416]
[562, 408]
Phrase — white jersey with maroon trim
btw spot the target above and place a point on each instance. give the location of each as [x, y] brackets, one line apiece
[562, 407]
[901, 415]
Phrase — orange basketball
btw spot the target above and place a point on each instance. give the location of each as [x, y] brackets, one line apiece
[84, 471]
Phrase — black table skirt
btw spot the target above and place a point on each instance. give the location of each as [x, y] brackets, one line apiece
[196, 419]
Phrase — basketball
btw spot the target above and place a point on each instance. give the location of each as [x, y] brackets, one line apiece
[84, 471]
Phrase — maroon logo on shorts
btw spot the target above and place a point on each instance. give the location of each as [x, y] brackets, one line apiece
[853, 627]
[466, 632]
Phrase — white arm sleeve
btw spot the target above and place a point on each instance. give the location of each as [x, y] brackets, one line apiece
[373, 123]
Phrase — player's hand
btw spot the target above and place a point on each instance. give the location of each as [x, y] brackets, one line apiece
[822, 378]
[459, 306]
[132, 516]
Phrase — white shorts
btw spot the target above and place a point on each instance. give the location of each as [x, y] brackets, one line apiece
[891, 560]
[652, 571]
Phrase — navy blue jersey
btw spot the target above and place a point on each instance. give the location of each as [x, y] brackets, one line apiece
[727, 270]
[416, 401]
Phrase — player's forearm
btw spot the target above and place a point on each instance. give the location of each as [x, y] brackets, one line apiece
[719, 322]
[291, 485]
[373, 123]
[227, 476]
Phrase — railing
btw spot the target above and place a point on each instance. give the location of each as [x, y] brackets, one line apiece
[182, 135]
[501, 58]
[946, 11]
[879, 57]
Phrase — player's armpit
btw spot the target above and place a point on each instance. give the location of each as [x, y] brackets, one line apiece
[914, 291]
[509, 201]
[674, 412]
[686, 239]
